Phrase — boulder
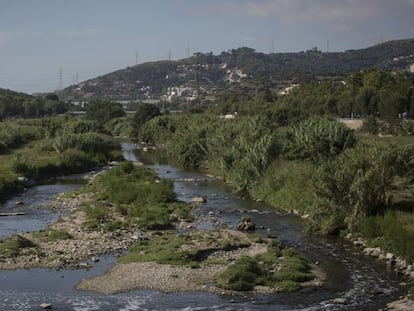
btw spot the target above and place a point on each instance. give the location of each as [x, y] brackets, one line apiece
[245, 224]
[339, 301]
[372, 251]
[198, 200]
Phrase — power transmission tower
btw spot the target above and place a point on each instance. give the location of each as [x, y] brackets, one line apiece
[169, 54]
[77, 78]
[136, 57]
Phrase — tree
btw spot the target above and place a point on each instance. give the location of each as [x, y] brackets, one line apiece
[359, 183]
[103, 110]
[144, 113]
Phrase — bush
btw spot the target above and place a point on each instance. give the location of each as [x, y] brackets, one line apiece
[154, 217]
[75, 161]
[359, 183]
[318, 139]
[285, 185]
[243, 275]
[293, 268]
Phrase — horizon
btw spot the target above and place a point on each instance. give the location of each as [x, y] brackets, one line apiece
[52, 44]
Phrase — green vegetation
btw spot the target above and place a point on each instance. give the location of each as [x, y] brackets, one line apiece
[39, 148]
[136, 195]
[13, 104]
[12, 246]
[292, 152]
[393, 232]
[53, 234]
[143, 114]
[279, 268]
[164, 248]
[103, 111]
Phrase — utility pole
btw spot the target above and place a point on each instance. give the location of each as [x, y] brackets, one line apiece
[169, 54]
[197, 77]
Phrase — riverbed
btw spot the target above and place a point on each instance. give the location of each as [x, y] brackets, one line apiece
[364, 283]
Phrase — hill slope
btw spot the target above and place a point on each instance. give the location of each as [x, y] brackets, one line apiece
[206, 71]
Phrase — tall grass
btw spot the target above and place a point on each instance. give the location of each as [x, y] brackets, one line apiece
[389, 232]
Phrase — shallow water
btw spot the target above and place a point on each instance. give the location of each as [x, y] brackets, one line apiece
[365, 283]
[33, 203]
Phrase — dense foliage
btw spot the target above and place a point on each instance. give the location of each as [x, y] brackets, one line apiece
[38, 148]
[279, 268]
[102, 111]
[293, 153]
[13, 104]
[138, 195]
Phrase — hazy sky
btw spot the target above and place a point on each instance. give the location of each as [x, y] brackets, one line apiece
[83, 39]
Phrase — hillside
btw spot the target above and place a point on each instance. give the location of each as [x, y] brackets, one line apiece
[206, 72]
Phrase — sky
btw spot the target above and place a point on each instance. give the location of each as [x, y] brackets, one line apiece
[48, 44]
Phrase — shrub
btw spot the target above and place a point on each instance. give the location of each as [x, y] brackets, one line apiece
[73, 161]
[12, 246]
[318, 139]
[54, 235]
[243, 275]
[21, 165]
[359, 183]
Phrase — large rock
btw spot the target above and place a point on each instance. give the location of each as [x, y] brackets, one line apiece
[372, 251]
[198, 200]
[401, 305]
[245, 224]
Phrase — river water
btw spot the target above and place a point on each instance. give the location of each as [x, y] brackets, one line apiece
[366, 284]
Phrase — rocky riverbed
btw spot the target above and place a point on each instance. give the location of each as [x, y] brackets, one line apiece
[82, 247]
[79, 249]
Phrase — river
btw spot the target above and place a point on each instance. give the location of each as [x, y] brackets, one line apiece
[365, 283]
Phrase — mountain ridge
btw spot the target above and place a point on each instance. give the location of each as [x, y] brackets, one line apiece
[204, 72]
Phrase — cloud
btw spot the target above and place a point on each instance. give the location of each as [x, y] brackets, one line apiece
[341, 16]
